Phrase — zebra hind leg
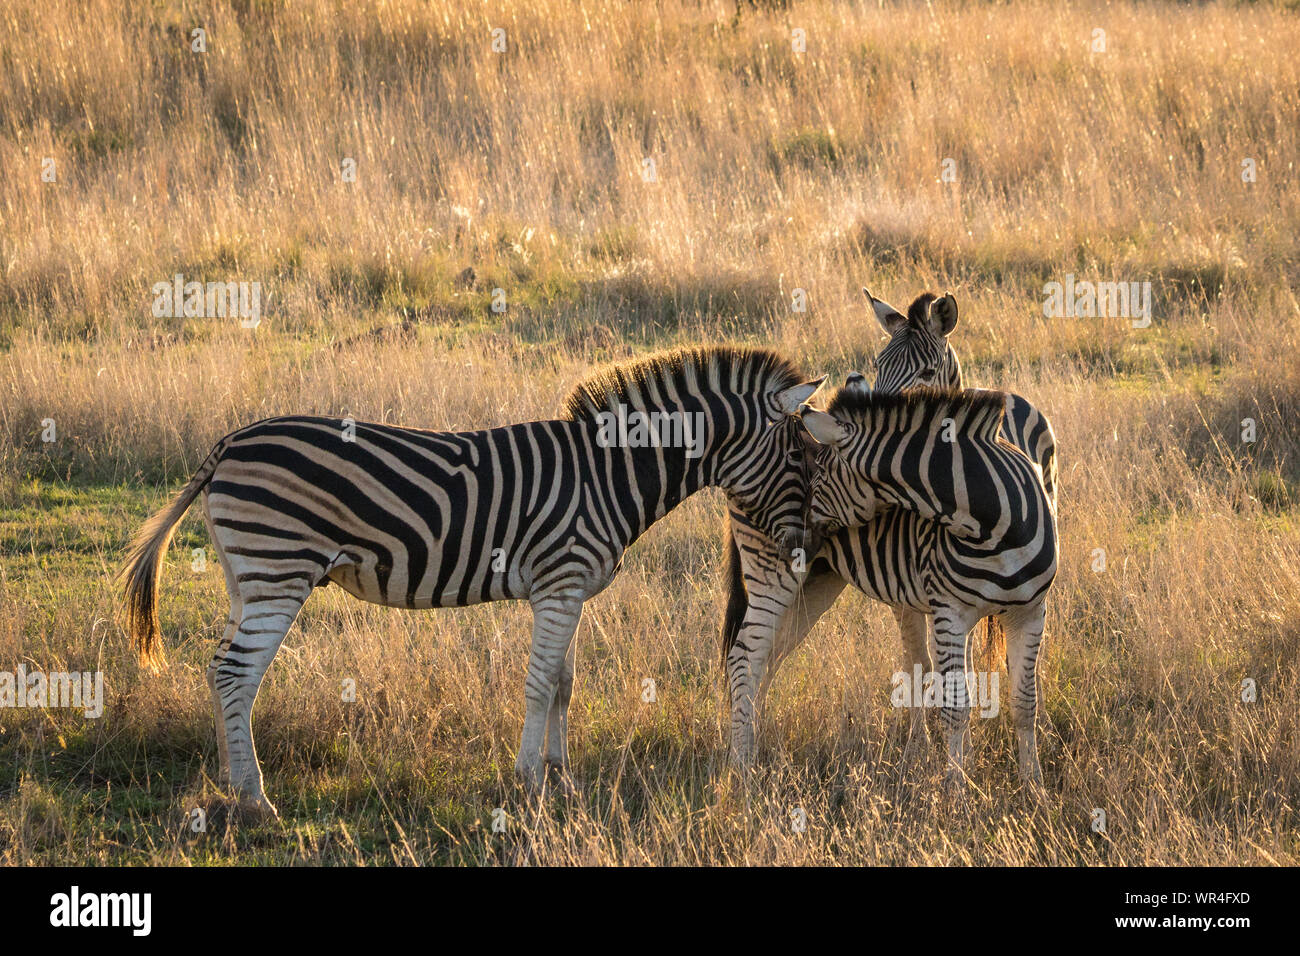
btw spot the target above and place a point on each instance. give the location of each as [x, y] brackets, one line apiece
[554, 621]
[1024, 628]
[232, 625]
[223, 750]
[952, 625]
[236, 678]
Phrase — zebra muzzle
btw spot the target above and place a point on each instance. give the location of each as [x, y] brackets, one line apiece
[798, 548]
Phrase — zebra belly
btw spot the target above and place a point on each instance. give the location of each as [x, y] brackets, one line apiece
[364, 583]
[882, 560]
[874, 566]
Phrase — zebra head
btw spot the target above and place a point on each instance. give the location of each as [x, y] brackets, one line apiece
[918, 351]
[839, 496]
[865, 506]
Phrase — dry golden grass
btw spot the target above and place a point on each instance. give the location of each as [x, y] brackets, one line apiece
[775, 171]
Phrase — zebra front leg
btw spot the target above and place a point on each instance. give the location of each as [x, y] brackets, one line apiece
[811, 601]
[952, 625]
[914, 628]
[782, 608]
[746, 663]
[235, 680]
[815, 597]
[557, 719]
[554, 621]
[1024, 628]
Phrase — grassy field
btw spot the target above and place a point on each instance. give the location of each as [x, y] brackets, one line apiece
[636, 176]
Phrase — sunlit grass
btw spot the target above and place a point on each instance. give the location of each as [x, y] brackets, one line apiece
[525, 171]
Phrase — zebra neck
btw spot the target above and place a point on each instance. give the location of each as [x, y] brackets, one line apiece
[658, 457]
[662, 478]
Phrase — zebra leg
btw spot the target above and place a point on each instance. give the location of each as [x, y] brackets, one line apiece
[235, 679]
[951, 627]
[811, 602]
[1024, 634]
[554, 621]
[780, 614]
[816, 597]
[769, 590]
[557, 718]
[933, 648]
[223, 749]
[914, 628]
[746, 662]
[232, 625]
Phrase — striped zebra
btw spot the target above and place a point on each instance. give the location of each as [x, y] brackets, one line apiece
[919, 352]
[540, 511]
[971, 527]
[776, 608]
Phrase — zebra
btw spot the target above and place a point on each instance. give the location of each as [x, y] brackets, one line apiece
[771, 603]
[541, 511]
[971, 524]
[919, 352]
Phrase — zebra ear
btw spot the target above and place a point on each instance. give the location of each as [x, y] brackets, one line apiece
[943, 315]
[890, 319]
[788, 400]
[827, 429]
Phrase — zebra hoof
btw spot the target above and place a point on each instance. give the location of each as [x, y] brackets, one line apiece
[1032, 787]
[955, 785]
[255, 809]
[531, 777]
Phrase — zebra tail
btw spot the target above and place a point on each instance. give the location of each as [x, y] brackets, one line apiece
[737, 598]
[1050, 478]
[994, 650]
[140, 574]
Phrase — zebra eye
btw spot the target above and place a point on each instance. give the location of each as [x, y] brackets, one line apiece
[926, 375]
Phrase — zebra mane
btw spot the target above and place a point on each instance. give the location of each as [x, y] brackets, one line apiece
[977, 413]
[919, 310]
[683, 369]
